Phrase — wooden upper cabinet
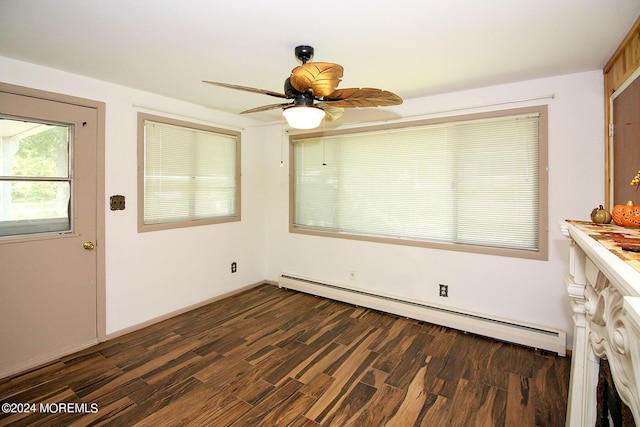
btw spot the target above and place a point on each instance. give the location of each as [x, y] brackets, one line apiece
[622, 150]
[624, 62]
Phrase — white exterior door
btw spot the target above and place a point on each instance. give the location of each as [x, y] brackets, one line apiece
[48, 229]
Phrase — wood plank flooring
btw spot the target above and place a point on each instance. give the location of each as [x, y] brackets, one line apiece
[274, 357]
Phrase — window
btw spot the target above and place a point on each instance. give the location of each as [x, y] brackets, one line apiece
[474, 183]
[189, 174]
[35, 177]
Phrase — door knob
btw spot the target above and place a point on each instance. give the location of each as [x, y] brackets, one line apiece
[88, 245]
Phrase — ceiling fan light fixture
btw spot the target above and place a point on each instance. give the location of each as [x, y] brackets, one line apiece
[302, 117]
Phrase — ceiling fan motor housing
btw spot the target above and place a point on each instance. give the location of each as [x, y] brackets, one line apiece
[303, 100]
[300, 98]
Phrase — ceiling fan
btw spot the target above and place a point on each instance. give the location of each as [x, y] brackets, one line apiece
[312, 87]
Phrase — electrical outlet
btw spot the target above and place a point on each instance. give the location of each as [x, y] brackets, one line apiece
[444, 290]
[234, 267]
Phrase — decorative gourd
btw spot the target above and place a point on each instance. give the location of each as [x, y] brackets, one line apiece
[600, 215]
[626, 215]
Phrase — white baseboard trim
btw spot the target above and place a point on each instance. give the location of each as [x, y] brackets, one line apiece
[535, 336]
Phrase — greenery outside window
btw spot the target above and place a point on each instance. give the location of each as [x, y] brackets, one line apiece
[35, 178]
[189, 174]
[474, 183]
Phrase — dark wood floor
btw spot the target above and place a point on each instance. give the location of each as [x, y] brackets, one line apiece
[275, 357]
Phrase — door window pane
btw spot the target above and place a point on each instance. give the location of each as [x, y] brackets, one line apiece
[35, 179]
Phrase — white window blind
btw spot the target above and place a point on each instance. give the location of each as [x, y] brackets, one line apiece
[473, 182]
[189, 174]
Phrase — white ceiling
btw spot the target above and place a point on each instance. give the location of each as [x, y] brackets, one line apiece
[413, 48]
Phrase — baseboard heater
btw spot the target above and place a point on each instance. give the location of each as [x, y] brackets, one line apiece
[554, 340]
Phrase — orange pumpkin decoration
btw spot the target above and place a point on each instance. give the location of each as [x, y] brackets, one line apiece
[626, 215]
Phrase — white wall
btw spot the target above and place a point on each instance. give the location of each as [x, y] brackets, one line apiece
[518, 289]
[151, 274]
[154, 273]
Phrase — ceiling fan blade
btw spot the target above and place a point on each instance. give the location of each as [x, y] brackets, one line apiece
[332, 113]
[248, 89]
[265, 108]
[321, 77]
[365, 97]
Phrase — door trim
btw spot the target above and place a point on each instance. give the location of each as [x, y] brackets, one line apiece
[100, 107]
